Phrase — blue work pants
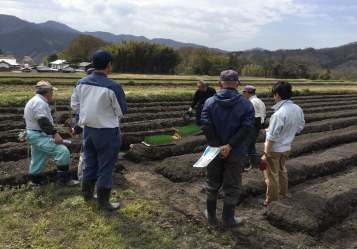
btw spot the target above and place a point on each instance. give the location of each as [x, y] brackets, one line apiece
[101, 148]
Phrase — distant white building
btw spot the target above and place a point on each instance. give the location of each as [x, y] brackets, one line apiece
[59, 65]
[9, 65]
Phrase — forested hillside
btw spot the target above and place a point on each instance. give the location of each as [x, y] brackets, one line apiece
[135, 54]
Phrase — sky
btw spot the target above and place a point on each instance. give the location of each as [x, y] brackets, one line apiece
[230, 25]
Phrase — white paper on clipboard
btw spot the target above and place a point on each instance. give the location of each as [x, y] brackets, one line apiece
[209, 154]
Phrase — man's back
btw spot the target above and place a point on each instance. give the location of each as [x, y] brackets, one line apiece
[35, 109]
[101, 101]
[228, 111]
[259, 108]
[287, 120]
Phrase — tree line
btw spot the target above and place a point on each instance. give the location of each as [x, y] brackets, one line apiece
[204, 61]
[153, 58]
[129, 57]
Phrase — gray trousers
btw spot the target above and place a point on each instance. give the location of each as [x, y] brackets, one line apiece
[225, 173]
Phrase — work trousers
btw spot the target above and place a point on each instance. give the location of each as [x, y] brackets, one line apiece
[42, 148]
[225, 173]
[251, 141]
[276, 176]
[198, 114]
[101, 148]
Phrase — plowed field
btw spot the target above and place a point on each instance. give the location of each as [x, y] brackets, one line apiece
[321, 211]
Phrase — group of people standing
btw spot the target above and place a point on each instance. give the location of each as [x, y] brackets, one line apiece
[100, 102]
[233, 122]
[229, 120]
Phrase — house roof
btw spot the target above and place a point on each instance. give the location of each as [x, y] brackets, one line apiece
[59, 62]
[11, 62]
[84, 64]
[69, 69]
[43, 68]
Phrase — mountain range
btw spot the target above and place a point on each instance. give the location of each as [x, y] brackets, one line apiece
[23, 38]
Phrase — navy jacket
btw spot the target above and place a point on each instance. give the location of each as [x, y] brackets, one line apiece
[227, 112]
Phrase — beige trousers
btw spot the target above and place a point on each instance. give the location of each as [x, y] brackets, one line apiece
[276, 176]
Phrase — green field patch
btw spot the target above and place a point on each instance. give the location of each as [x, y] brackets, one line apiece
[16, 91]
[187, 130]
[159, 140]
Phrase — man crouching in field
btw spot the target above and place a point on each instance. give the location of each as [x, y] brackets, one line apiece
[40, 129]
[287, 120]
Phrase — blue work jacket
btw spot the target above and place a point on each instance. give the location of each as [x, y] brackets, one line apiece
[228, 111]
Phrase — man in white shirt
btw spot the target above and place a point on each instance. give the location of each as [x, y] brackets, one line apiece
[40, 129]
[287, 120]
[101, 102]
[252, 157]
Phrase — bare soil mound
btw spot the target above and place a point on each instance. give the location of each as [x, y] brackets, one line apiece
[321, 211]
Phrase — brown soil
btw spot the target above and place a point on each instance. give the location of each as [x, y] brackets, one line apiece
[319, 213]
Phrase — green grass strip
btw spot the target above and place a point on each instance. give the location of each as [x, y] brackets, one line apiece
[188, 130]
[159, 140]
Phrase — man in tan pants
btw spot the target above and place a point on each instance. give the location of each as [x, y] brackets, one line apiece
[287, 120]
[276, 176]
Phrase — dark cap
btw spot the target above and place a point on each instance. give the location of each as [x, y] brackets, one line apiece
[249, 88]
[229, 75]
[102, 56]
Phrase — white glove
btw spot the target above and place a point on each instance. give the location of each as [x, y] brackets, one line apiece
[190, 110]
[23, 136]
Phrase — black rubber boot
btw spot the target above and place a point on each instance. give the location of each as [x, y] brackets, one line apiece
[64, 176]
[36, 180]
[228, 217]
[210, 212]
[88, 191]
[254, 160]
[103, 200]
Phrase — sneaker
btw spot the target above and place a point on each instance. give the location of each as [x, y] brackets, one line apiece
[263, 202]
[71, 183]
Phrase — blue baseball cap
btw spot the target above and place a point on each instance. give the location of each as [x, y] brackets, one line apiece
[101, 56]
